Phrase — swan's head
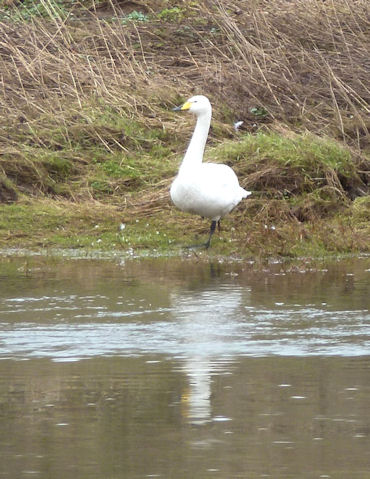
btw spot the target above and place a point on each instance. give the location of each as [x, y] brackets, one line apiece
[198, 104]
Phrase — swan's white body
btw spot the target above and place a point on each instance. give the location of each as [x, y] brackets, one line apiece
[210, 190]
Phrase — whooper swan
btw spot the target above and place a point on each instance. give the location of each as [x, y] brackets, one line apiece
[210, 190]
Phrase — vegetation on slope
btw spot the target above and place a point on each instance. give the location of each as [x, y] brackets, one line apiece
[88, 141]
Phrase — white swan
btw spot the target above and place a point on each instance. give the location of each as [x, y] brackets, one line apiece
[210, 190]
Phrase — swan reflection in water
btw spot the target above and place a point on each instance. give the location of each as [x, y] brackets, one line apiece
[208, 321]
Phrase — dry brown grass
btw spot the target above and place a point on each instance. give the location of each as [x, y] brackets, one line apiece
[46, 68]
[305, 62]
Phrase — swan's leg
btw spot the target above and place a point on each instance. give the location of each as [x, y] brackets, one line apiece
[208, 242]
[219, 225]
[212, 230]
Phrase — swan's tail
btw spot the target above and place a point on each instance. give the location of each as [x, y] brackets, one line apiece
[245, 193]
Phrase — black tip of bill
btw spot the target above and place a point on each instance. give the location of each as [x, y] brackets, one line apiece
[177, 108]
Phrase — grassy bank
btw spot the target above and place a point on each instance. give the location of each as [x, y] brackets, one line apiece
[89, 144]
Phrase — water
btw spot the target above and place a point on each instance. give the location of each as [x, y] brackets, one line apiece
[184, 369]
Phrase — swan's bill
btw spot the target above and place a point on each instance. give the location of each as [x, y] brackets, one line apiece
[183, 107]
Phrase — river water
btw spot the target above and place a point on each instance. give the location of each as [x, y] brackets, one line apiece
[184, 369]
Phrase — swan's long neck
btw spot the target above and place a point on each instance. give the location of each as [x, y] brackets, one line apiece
[194, 153]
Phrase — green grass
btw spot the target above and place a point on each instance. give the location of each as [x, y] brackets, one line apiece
[305, 216]
[293, 167]
[307, 151]
[99, 149]
[29, 9]
[174, 14]
[135, 16]
[46, 223]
